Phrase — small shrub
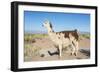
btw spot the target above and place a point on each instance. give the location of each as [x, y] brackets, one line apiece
[31, 50]
[29, 39]
[86, 36]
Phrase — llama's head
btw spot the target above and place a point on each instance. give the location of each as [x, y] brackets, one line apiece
[47, 24]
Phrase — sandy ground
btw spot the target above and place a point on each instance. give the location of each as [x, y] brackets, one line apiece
[47, 45]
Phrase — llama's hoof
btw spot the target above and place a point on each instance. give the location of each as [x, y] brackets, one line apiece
[75, 54]
[71, 54]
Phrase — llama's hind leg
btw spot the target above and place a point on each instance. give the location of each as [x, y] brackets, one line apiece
[60, 51]
[73, 49]
[76, 47]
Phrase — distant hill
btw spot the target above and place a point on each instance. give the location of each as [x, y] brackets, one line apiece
[82, 32]
[44, 32]
[36, 32]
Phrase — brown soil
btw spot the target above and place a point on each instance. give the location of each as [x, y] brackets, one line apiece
[47, 45]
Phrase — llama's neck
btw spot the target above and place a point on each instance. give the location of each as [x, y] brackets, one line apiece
[50, 31]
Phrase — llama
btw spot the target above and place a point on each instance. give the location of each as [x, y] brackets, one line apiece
[63, 39]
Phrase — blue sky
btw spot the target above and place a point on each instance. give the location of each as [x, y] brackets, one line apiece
[33, 21]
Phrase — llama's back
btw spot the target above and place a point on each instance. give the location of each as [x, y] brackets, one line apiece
[73, 33]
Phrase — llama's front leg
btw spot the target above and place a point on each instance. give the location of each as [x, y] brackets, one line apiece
[60, 51]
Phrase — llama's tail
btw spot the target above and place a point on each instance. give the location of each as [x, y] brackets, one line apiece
[75, 30]
[77, 34]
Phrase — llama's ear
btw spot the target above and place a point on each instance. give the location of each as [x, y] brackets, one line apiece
[46, 20]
